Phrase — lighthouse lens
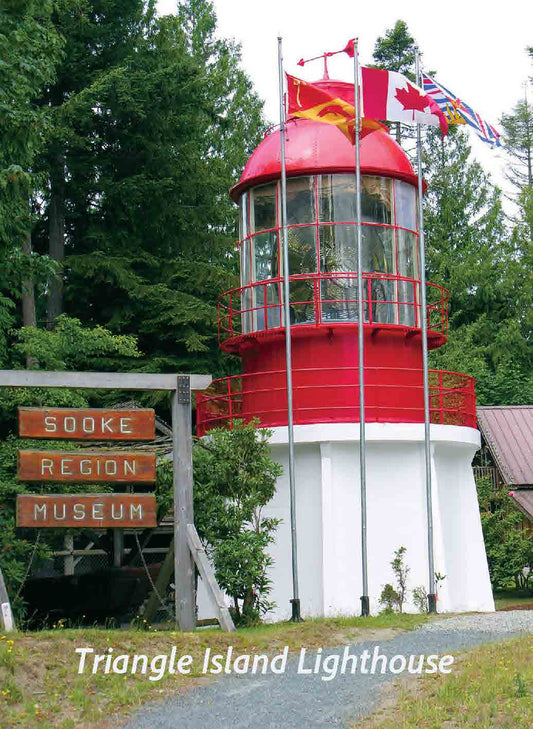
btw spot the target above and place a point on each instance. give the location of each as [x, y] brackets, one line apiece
[301, 200]
[322, 252]
[405, 199]
[376, 200]
[336, 199]
[264, 208]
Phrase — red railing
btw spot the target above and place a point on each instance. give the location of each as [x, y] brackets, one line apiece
[388, 301]
[391, 395]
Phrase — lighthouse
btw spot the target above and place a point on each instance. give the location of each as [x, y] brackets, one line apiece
[322, 252]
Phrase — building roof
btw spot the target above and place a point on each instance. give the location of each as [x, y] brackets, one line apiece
[317, 148]
[524, 501]
[508, 433]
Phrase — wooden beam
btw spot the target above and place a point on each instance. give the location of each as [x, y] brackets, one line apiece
[99, 380]
[6, 614]
[208, 576]
[161, 583]
[185, 600]
[69, 559]
[118, 547]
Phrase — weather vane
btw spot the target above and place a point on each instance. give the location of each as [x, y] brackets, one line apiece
[349, 49]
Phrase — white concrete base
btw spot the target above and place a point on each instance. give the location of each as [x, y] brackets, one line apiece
[329, 519]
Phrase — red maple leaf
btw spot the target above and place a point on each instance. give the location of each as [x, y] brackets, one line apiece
[411, 98]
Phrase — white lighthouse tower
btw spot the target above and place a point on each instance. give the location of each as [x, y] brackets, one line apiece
[323, 304]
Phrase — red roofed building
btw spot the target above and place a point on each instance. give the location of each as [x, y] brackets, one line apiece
[506, 455]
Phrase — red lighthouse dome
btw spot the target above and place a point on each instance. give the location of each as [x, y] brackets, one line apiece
[315, 148]
[321, 227]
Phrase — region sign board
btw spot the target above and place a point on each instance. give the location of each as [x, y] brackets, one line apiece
[87, 466]
[87, 423]
[99, 511]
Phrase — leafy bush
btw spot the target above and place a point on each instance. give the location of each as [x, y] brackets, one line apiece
[509, 547]
[234, 478]
[393, 598]
[389, 598]
[420, 598]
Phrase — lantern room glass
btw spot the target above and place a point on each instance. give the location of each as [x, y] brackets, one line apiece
[322, 239]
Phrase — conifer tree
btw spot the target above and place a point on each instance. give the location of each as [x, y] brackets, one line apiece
[30, 48]
[98, 36]
[518, 145]
[471, 252]
[149, 137]
[395, 51]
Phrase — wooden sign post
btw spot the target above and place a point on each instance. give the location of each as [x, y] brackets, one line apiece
[91, 424]
[183, 504]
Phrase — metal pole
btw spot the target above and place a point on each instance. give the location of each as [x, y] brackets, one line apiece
[432, 598]
[295, 602]
[365, 601]
[184, 593]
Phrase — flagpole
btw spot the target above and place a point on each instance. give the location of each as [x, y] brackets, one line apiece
[432, 598]
[295, 602]
[365, 601]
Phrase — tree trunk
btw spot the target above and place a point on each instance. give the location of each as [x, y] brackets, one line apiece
[248, 602]
[56, 212]
[29, 316]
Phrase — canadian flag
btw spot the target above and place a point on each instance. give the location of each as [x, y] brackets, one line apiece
[391, 96]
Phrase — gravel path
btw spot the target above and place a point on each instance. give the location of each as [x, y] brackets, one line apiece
[294, 701]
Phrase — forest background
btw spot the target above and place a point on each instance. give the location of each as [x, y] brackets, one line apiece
[121, 133]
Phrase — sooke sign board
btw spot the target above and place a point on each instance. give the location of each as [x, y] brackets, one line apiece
[84, 466]
[87, 424]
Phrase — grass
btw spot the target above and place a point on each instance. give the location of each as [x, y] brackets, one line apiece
[490, 687]
[512, 598]
[40, 685]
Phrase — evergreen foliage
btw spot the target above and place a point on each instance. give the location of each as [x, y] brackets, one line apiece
[518, 143]
[151, 121]
[470, 251]
[473, 248]
[30, 49]
[395, 51]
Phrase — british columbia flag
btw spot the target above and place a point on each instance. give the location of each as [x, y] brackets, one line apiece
[457, 112]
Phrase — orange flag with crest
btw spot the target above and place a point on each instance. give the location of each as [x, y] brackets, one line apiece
[311, 102]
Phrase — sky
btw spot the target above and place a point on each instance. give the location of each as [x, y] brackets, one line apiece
[477, 49]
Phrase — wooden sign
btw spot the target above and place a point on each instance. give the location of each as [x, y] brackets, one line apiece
[86, 510]
[87, 466]
[86, 424]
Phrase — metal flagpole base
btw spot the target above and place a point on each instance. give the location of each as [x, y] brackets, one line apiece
[365, 606]
[432, 603]
[296, 615]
